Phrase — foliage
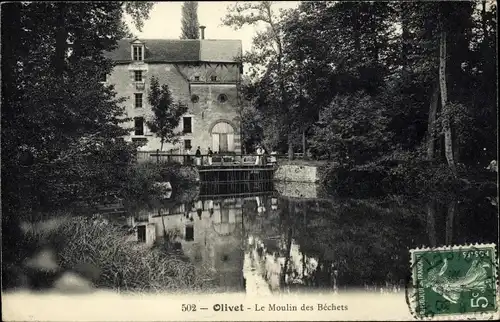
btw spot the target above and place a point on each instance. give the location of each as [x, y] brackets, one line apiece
[166, 113]
[352, 130]
[267, 55]
[251, 128]
[62, 145]
[388, 50]
[141, 189]
[190, 25]
[139, 11]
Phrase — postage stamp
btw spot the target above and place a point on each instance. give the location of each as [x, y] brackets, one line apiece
[454, 282]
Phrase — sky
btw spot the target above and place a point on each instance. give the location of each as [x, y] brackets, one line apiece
[165, 21]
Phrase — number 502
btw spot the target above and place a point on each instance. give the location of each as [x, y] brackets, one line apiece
[188, 307]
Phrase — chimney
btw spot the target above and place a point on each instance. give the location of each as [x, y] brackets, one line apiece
[202, 29]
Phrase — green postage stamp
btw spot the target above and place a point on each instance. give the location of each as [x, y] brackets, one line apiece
[453, 282]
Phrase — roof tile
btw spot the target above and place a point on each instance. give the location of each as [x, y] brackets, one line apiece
[179, 50]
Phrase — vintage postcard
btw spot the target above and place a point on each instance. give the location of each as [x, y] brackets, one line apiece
[249, 161]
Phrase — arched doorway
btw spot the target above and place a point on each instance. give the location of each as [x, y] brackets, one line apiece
[223, 137]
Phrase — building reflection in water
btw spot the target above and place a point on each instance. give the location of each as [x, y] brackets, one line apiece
[239, 240]
[243, 242]
[210, 233]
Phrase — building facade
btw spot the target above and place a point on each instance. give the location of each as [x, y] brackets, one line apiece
[203, 74]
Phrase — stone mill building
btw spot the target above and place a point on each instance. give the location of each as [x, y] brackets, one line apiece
[201, 73]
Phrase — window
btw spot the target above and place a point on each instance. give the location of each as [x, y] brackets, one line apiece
[222, 98]
[141, 234]
[138, 75]
[186, 124]
[197, 78]
[137, 53]
[213, 78]
[139, 125]
[187, 144]
[138, 100]
[189, 233]
[103, 77]
[195, 98]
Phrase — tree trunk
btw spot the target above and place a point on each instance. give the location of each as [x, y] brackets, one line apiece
[404, 35]
[448, 139]
[290, 145]
[483, 20]
[356, 31]
[161, 145]
[431, 222]
[431, 126]
[456, 145]
[304, 143]
[449, 221]
[61, 46]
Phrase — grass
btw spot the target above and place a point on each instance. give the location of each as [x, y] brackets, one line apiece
[124, 266]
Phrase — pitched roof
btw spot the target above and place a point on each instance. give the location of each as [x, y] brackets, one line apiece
[180, 50]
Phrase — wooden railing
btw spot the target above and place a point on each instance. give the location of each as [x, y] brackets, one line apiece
[216, 159]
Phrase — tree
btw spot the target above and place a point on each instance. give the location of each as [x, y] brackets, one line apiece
[167, 114]
[352, 130]
[251, 117]
[62, 145]
[268, 51]
[190, 26]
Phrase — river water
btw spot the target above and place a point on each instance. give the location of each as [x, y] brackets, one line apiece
[266, 238]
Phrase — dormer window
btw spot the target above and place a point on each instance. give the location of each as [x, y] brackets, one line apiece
[137, 52]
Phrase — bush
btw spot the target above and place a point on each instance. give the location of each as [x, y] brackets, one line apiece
[406, 175]
[140, 186]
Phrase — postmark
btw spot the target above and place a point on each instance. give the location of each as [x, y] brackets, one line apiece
[453, 282]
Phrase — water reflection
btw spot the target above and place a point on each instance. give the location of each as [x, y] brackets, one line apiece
[260, 241]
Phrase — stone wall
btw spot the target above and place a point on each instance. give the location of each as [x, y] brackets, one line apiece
[301, 190]
[296, 173]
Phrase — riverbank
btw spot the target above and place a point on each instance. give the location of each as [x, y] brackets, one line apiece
[406, 179]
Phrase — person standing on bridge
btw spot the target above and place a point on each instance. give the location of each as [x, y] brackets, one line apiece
[210, 154]
[257, 158]
[198, 156]
[188, 155]
[264, 157]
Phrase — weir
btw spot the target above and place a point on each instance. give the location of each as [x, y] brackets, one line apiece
[221, 168]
